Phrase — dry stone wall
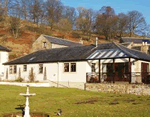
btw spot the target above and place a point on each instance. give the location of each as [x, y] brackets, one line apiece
[137, 89]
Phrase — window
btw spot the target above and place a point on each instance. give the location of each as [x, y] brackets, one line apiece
[15, 69]
[10, 69]
[73, 67]
[93, 67]
[24, 68]
[40, 68]
[66, 67]
[44, 44]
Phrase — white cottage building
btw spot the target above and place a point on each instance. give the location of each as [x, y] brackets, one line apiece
[108, 62]
[4, 57]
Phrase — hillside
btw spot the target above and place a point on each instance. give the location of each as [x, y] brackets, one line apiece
[29, 33]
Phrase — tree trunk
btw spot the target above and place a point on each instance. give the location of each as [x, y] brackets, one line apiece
[5, 7]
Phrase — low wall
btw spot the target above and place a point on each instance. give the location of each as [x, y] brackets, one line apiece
[25, 84]
[137, 89]
[78, 85]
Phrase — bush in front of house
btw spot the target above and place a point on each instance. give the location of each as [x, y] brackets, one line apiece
[31, 75]
[19, 79]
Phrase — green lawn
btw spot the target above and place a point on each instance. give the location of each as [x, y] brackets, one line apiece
[75, 102]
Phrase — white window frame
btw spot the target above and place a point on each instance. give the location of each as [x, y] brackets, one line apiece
[25, 70]
[70, 65]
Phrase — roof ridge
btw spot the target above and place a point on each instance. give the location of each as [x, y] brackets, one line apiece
[125, 50]
[61, 39]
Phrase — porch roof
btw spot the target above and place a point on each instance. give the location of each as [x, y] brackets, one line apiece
[119, 52]
[81, 53]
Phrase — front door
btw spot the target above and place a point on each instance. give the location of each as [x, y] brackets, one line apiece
[144, 71]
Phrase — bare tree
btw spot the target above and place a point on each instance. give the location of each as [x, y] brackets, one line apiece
[15, 8]
[136, 22]
[107, 11]
[6, 4]
[1, 12]
[24, 6]
[122, 23]
[85, 20]
[64, 24]
[106, 22]
[15, 26]
[70, 14]
[54, 11]
[35, 10]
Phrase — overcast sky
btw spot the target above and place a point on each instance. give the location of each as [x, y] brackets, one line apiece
[124, 6]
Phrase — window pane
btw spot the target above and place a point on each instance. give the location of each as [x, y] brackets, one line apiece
[40, 68]
[73, 67]
[66, 67]
[15, 69]
[44, 44]
[25, 68]
[93, 67]
[10, 69]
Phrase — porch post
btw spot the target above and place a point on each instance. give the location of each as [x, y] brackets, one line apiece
[130, 70]
[99, 71]
[113, 70]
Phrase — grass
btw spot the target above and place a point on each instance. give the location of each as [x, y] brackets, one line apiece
[75, 102]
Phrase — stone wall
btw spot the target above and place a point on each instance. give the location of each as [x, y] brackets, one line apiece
[38, 44]
[123, 88]
[78, 85]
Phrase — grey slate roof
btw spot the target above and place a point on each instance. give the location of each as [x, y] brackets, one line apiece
[61, 41]
[79, 53]
[2, 48]
[126, 44]
[135, 40]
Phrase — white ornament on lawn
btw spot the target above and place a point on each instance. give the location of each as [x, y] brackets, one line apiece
[27, 95]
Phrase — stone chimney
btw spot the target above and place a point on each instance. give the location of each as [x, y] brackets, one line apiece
[96, 42]
[144, 47]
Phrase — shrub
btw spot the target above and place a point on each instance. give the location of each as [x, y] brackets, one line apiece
[36, 81]
[75, 35]
[31, 75]
[19, 79]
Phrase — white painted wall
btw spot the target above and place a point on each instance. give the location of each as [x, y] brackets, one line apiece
[3, 58]
[55, 71]
[52, 71]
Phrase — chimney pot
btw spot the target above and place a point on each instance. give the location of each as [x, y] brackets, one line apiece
[142, 43]
[145, 43]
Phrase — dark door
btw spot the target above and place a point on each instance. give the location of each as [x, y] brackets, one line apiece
[144, 71]
[109, 72]
[120, 72]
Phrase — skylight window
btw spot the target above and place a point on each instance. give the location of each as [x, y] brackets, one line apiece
[32, 58]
